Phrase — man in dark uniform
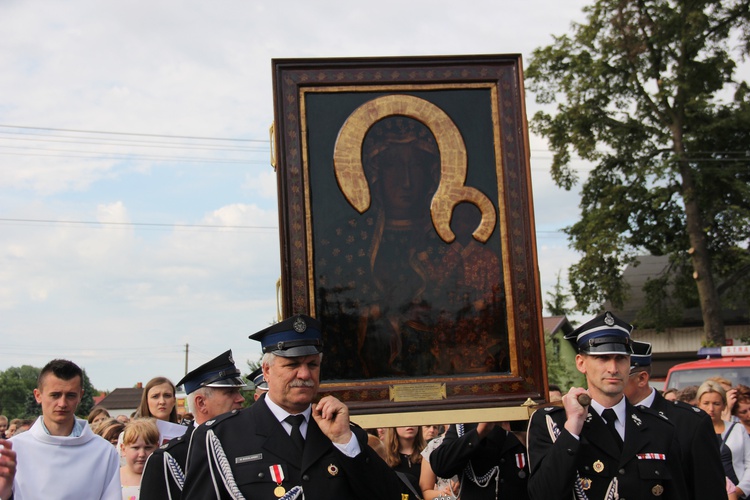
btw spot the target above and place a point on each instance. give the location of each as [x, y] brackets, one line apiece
[489, 460]
[261, 386]
[285, 445]
[212, 389]
[608, 449]
[701, 461]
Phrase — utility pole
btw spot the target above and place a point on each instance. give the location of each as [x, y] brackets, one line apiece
[186, 358]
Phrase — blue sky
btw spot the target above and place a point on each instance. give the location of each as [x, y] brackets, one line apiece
[118, 249]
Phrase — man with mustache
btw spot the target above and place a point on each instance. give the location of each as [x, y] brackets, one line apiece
[608, 449]
[285, 445]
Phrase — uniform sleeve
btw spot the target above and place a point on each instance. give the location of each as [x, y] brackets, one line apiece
[153, 482]
[369, 475]
[199, 484]
[451, 457]
[552, 464]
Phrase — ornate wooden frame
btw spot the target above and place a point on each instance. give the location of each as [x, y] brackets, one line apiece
[474, 108]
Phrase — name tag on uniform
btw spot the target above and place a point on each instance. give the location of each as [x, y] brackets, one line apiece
[248, 458]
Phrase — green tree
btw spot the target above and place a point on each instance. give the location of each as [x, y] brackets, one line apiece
[558, 299]
[87, 401]
[17, 384]
[646, 91]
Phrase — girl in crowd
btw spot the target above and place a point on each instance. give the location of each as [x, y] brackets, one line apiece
[158, 400]
[140, 439]
[97, 415]
[403, 448]
[432, 486]
[110, 429]
[733, 439]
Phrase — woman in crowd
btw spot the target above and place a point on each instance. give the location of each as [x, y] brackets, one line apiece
[403, 448]
[140, 439]
[110, 429]
[741, 409]
[158, 400]
[432, 486]
[670, 394]
[97, 415]
[733, 439]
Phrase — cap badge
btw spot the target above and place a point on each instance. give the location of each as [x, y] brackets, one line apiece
[598, 466]
[299, 325]
[231, 359]
[608, 319]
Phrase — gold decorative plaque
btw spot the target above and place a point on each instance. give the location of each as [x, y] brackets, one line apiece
[417, 392]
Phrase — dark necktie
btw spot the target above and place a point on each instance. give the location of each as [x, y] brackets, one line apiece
[611, 417]
[295, 421]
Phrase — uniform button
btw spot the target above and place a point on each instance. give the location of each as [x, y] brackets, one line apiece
[656, 472]
[621, 472]
[471, 444]
[586, 468]
[305, 477]
[261, 475]
[570, 452]
[502, 460]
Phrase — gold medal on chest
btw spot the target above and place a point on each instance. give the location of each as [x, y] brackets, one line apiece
[585, 483]
[279, 491]
[657, 490]
[598, 466]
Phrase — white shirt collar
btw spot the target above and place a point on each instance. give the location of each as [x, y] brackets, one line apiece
[619, 411]
[281, 414]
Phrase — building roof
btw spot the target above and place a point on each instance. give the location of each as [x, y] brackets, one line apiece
[554, 324]
[651, 266]
[123, 399]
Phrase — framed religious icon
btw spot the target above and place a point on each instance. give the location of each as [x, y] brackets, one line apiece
[406, 225]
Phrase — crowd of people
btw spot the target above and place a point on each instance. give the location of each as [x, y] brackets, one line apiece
[619, 438]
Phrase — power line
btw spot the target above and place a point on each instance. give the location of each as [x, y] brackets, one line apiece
[136, 224]
[139, 134]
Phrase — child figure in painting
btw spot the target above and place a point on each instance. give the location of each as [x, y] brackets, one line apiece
[140, 439]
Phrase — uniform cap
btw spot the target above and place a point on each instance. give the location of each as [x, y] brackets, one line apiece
[605, 334]
[258, 381]
[299, 335]
[219, 372]
[641, 355]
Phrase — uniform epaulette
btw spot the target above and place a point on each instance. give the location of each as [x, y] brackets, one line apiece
[687, 407]
[651, 411]
[552, 408]
[224, 416]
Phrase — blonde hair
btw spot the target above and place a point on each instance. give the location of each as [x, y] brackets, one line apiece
[710, 386]
[141, 428]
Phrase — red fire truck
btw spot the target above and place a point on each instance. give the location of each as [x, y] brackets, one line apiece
[730, 362]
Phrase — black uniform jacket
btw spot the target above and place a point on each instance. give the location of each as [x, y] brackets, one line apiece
[649, 465]
[159, 480]
[254, 442]
[701, 461]
[500, 448]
